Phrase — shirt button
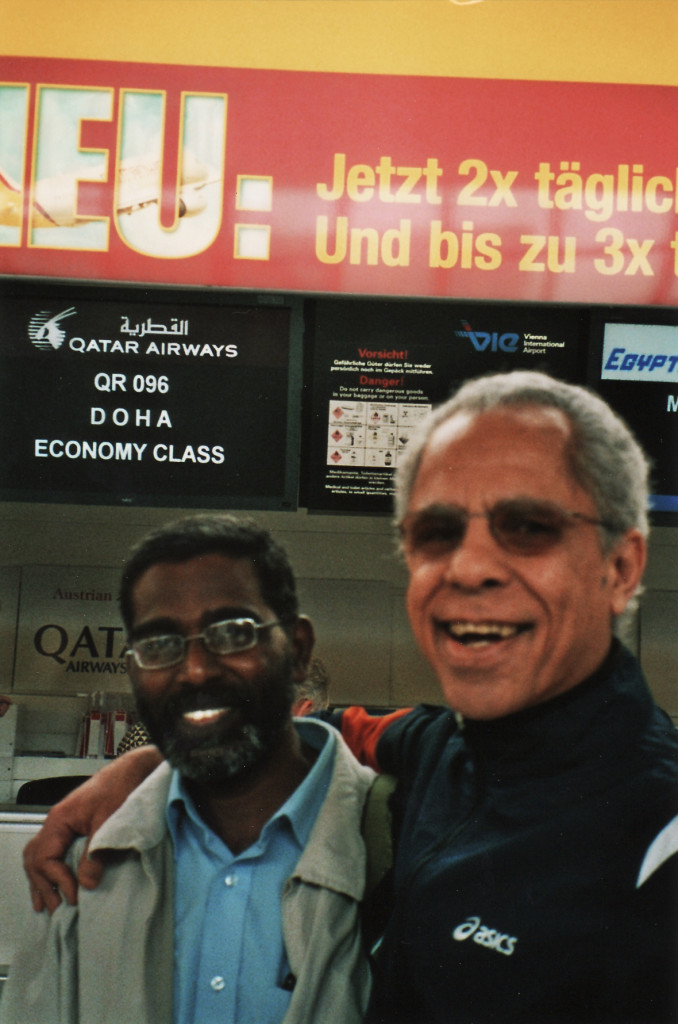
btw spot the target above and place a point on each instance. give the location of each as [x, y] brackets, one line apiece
[217, 983]
[230, 881]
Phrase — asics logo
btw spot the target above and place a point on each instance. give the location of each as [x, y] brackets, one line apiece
[484, 936]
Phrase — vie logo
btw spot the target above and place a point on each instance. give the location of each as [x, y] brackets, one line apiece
[484, 936]
[492, 342]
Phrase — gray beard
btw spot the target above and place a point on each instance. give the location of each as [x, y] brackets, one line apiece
[221, 756]
[223, 762]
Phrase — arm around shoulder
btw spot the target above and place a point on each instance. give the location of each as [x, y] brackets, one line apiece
[81, 813]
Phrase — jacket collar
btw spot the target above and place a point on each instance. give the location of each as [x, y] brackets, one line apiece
[613, 704]
[140, 823]
[334, 856]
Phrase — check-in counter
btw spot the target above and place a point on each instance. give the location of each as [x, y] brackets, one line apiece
[53, 777]
[62, 772]
[17, 826]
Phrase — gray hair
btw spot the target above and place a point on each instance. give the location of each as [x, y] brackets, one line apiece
[606, 459]
[315, 687]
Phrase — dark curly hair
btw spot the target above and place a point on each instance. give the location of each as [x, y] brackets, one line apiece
[224, 534]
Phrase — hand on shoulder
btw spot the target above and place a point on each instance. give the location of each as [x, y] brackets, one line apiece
[81, 813]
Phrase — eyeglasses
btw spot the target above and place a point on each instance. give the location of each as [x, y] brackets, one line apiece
[520, 526]
[228, 637]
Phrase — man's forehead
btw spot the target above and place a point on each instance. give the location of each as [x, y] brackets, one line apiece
[207, 577]
[502, 420]
[195, 563]
[507, 451]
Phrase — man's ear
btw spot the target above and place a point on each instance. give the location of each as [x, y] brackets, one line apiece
[626, 563]
[303, 641]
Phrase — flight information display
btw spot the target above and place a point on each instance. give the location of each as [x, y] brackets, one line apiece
[125, 396]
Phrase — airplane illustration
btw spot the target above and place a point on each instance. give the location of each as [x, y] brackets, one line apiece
[54, 201]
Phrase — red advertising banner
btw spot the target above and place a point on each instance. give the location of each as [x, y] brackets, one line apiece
[339, 183]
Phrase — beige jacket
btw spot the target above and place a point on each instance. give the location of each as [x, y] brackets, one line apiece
[109, 960]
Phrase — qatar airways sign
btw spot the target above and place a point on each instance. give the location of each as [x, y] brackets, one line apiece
[335, 183]
[144, 398]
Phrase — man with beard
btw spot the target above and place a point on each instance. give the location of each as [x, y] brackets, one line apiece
[312, 694]
[235, 875]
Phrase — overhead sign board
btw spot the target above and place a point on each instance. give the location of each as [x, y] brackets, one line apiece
[633, 363]
[339, 183]
[379, 367]
[641, 352]
[126, 397]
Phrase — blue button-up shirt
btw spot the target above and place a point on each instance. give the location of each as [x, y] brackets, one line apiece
[230, 965]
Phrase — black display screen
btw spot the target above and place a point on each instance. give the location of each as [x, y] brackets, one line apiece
[147, 397]
[377, 367]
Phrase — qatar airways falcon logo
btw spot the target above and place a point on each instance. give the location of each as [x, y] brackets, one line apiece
[44, 330]
[490, 938]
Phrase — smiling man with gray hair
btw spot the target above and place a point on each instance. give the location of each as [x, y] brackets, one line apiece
[536, 876]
